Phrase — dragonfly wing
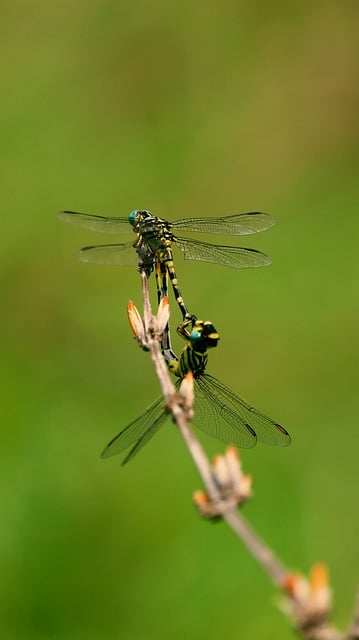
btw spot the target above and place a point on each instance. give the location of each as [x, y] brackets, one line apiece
[115, 254]
[214, 417]
[235, 257]
[145, 426]
[267, 430]
[96, 223]
[239, 224]
[145, 438]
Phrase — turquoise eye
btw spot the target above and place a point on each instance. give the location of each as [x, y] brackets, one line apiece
[195, 335]
[132, 217]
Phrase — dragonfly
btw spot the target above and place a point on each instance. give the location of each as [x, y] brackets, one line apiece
[156, 236]
[218, 411]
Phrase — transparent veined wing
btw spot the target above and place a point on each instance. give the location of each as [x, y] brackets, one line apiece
[96, 223]
[239, 224]
[139, 431]
[114, 254]
[145, 438]
[217, 419]
[227, 256]
[238, 412]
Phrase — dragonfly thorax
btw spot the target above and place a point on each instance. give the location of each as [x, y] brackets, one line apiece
[190, 360]
[194, 356]
[154, 230]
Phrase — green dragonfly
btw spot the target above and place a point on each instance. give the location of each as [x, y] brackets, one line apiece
[156, 236]
[219, 412]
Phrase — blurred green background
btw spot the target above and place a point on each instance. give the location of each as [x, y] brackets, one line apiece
[185, 109]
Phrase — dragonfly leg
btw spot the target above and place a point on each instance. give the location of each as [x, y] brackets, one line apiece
[162, 290]
[146, 259]
[185, 328]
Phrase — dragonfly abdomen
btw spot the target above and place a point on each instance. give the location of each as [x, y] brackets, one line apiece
[164, 256]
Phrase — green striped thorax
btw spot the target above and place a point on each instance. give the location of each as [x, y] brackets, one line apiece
[156, 231]
[194, 357]
[153, 238]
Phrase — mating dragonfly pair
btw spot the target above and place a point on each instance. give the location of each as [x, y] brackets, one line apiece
[219, 412]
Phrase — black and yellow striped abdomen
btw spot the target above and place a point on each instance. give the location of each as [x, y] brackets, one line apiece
[160, 239]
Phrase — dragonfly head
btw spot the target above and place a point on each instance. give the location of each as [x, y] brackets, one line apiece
[203, 335]
[137, 216]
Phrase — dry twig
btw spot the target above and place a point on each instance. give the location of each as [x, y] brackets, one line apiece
[307, 602]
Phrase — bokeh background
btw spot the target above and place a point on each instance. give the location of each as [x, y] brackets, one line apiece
[186, 109]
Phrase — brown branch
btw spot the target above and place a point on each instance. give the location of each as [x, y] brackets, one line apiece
[307, 602]
[261, 552]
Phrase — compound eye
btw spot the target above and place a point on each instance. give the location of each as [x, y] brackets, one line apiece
[133, 216]
[195, 335]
